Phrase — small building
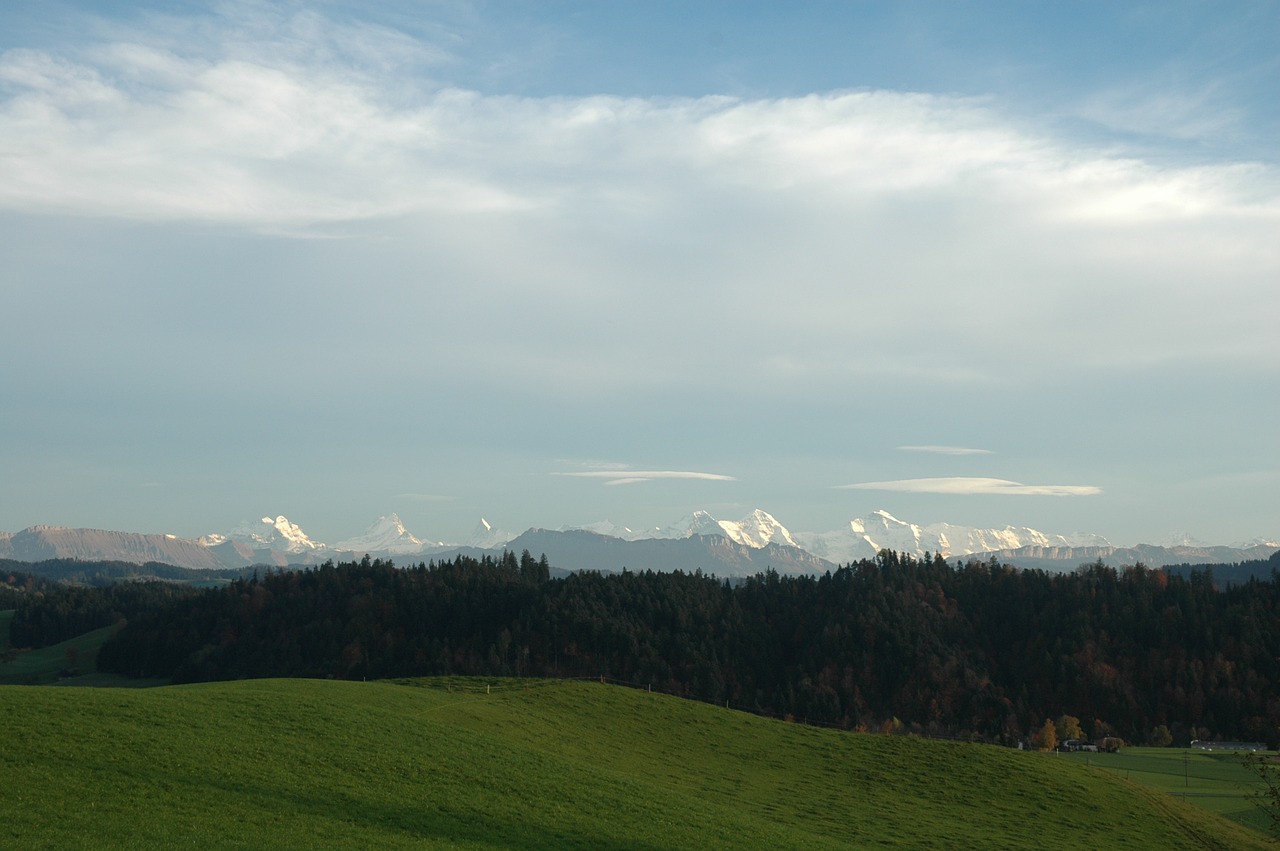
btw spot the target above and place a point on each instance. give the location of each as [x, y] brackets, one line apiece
[1078, 745]
[1206, 745]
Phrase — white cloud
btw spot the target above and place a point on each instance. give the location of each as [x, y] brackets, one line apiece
[972, 485]
[945, 450]
[260, 132]
[630, 477]
[859, 248]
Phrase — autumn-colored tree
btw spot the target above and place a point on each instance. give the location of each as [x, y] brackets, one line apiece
[1111, 744]
[1068, 727]
[1160, 737]
[1047, 738]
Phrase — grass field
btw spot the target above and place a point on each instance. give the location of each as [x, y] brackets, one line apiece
[1217, 781]
[41, 667]
[299, 763]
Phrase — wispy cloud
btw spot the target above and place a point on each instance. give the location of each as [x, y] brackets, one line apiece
[597, 465]
[630, 477]
[1154, 108]
[973, 485]
[945, 450]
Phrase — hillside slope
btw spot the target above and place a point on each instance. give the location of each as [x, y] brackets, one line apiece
[296, 763]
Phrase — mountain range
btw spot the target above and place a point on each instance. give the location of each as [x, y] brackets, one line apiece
[699, 542]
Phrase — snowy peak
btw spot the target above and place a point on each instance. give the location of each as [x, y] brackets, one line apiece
[758, 529]
[486, 537]
[610, 530]
[386, 534]
[277, 535]
[698, 523]
[881, 530]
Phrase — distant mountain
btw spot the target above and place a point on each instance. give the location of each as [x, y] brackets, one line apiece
[275, 535]
[273, 542]
[613, 530]
[757, 529]
[700, 541]
[713, 554]
[698, 523]
[1056, 558]
[385, 535]
[486, 537]
[41, 543]
[863, 538]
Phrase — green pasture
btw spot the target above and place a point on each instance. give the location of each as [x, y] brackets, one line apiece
[515, 764]
[49, 665]
[1215, 780]
[42, 666]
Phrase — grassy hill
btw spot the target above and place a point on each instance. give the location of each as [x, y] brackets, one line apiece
[1215, 780]
[304, 763]
[44, 665]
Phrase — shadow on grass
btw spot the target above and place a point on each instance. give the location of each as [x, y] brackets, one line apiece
[426, 821]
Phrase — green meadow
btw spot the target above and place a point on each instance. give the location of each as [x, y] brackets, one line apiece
[530, 764]
[43, 666]
[1215, 780]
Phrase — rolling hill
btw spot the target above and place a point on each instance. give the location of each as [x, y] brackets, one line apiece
[533, 764]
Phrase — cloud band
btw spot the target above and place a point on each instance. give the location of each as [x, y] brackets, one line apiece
[962, 485]
[630, 477]
[945, 450]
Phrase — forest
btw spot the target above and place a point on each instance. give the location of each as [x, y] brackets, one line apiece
[977, 650]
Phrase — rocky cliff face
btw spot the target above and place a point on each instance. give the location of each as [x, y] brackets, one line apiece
[39, 543]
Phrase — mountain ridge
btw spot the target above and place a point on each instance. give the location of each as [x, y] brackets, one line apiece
[699, 542]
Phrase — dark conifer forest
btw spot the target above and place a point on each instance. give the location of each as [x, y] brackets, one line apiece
[977, 650]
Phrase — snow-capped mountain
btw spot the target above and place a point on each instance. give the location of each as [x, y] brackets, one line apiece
[758, 529]
[276, 535]
[730, 545]
[386, 535]
[864, 537]
[612, 530]
[698, 523]
[861, 538]
[715, 554]
[1273, 541]
[486, 537]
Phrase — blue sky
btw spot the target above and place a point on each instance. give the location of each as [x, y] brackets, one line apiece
[444, 258]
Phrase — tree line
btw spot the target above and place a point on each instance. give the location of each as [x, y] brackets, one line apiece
[976, 649]
[48, 612]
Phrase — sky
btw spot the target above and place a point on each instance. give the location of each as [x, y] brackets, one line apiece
[986, 263]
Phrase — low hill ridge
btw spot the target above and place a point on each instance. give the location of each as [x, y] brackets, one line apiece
[524, 765]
